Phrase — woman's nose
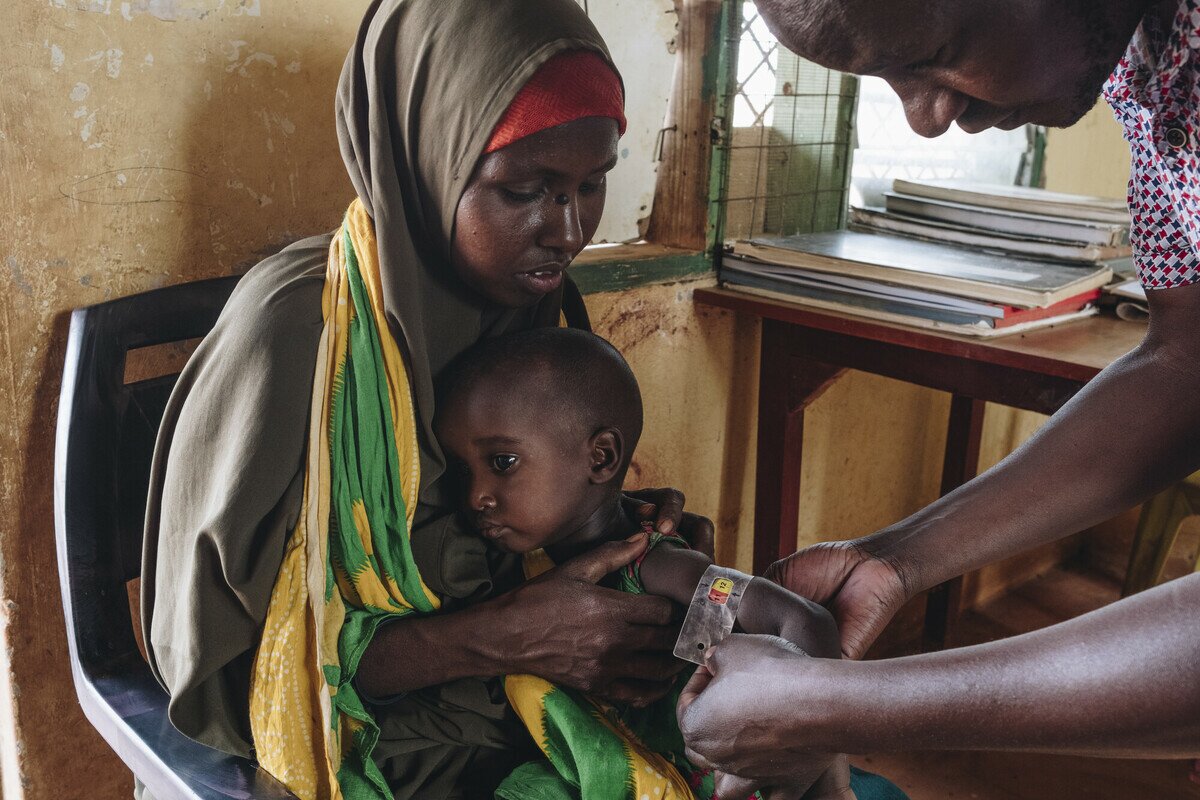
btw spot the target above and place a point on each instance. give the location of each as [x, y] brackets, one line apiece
[930, 109]
[563, 230]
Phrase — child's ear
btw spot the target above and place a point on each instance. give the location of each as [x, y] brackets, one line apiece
[607, 448]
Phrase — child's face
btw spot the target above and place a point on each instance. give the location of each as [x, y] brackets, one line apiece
[525, 477]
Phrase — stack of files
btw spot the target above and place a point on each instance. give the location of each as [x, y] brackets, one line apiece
[1005, 219]
[897, 279]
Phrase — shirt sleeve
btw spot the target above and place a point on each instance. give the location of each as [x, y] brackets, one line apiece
[1158, 103]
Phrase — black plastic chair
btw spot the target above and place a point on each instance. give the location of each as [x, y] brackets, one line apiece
[106, 432]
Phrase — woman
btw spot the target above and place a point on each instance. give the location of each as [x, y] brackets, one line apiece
[472, 215]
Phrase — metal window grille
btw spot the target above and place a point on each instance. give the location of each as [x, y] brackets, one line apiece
[789, 142]
[795, 129]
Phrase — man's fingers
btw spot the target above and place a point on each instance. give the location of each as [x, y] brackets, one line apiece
[731, 787]
[858, 631]
[697, 759]
[608, 557]
[776, 572]
[692, 690]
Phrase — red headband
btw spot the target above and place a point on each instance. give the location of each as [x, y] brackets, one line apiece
[569, 86]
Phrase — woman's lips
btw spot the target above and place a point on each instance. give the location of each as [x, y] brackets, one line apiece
[542, 280]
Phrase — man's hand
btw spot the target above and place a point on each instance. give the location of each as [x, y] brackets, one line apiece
[665, 508]
[736, 716]
[861, 591]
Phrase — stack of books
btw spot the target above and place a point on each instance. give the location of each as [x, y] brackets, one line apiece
[951, 274]
[1015, 220]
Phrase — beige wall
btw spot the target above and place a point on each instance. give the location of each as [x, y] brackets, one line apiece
[1089, 158]
[142, 143]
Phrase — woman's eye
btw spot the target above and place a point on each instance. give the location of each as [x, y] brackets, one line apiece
[591, 187]
[504, 462]
[522, 196]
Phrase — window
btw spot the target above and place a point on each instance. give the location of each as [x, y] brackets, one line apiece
[806, 142]
[789, 147]
[887, 149]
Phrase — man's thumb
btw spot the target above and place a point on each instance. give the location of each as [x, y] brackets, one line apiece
[608, 557]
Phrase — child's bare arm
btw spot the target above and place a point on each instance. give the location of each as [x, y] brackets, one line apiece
[766, 607]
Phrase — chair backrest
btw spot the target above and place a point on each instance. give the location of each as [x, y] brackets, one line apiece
[104, 443]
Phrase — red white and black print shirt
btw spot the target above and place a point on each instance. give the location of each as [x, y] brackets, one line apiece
[1155, 94]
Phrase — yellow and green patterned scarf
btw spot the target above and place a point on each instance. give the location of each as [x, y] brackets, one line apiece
[595, 750]
[348, 565]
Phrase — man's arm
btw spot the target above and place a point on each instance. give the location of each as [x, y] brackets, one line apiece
[1132, 431]
[1118, 682]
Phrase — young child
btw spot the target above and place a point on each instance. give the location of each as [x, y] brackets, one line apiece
[543, 425]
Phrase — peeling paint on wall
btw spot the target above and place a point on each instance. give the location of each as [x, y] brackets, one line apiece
[110, 59]
[238, 63]
[165, 10]
[57, 57]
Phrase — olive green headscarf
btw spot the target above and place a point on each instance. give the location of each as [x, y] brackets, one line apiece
[420, 92]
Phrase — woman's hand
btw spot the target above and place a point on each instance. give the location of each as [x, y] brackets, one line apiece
[566, 629]
[862, 591]
[665, 508]
[738, 716]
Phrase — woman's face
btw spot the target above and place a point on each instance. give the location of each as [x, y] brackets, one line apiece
[529, 209]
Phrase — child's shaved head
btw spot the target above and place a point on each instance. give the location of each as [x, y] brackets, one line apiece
[570, 379]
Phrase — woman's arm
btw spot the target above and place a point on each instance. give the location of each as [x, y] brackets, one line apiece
[1119, 682]
[560, 626]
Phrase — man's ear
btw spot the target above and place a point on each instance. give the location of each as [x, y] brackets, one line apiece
[607, 450]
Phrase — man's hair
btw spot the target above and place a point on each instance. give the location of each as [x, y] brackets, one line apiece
[572, 378]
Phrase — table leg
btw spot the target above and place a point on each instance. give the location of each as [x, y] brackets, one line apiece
[787, 384]
[960, 464]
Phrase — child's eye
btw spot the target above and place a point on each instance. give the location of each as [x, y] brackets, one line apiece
[503, 462]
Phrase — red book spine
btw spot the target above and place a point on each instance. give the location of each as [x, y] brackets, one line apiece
[1015, 316]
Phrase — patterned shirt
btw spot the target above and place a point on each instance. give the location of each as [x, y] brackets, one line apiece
[1155, 94]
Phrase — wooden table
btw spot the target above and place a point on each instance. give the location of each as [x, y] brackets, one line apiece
[804, 350]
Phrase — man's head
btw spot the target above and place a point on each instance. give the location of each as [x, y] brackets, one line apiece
[982, 64]
[542, 426]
